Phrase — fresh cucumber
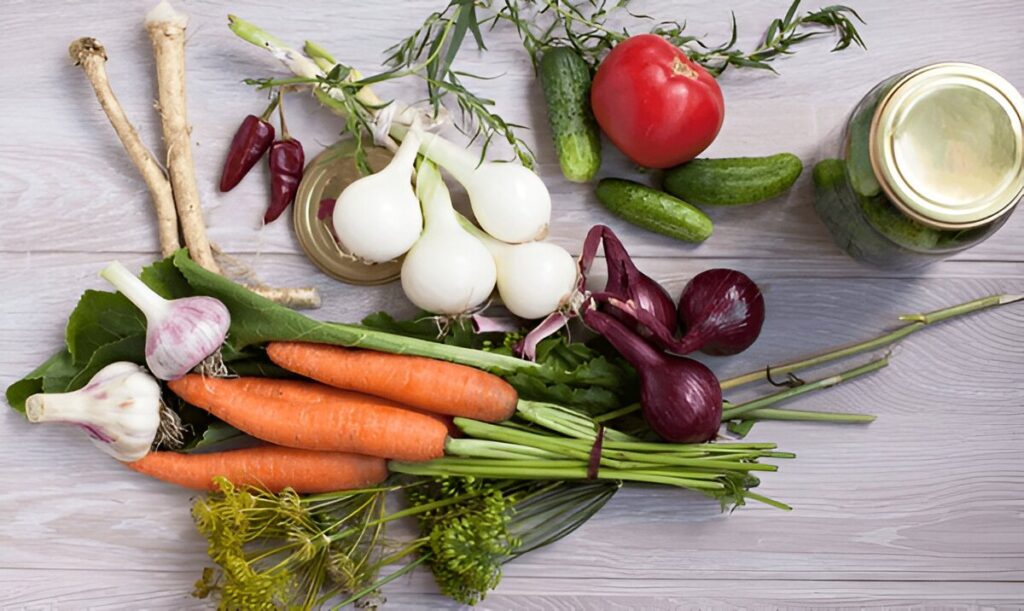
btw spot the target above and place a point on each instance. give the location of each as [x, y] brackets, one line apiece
[654, 210]
[565, 79]
[733, 181]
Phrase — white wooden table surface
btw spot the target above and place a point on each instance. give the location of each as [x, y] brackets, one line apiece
[923, 508]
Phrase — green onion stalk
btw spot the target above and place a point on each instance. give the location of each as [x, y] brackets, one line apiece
[913, 324]
[347, 93]
[566, 445]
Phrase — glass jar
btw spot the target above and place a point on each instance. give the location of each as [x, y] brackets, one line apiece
[932, 163]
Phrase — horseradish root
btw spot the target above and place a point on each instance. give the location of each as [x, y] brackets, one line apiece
[166, 28]
[91, 56]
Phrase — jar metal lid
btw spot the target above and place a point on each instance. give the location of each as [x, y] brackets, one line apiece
[326, 177]
[947, 145]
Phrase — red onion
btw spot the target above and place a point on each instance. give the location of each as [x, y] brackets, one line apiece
[681, 399]
[721, 312]
[527, 347]
[632, 290]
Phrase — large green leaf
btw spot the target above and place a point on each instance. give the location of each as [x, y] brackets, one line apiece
[56, 367]
[131, 348]
[99, 319]
[256, 320]
[164, 278]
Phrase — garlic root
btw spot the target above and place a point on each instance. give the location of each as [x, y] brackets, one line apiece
[92, 56]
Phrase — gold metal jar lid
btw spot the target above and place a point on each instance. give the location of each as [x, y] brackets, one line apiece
[947, 145]
[326, 177]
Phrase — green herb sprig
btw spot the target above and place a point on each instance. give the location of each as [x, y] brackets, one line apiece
[782, 36]
[583, 25]
[430, 51]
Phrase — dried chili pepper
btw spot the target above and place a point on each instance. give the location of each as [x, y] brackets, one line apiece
[251, 141]
[286, 164]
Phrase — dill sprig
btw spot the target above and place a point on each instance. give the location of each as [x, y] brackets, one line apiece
[500, 521]
[284, 550]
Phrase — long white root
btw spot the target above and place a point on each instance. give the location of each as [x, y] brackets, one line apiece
[92, 57]
[166, 28]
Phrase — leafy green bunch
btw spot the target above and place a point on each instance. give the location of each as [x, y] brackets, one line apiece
[105, 328]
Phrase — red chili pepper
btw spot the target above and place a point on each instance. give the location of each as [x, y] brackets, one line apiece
[251, 141]
[286, 162]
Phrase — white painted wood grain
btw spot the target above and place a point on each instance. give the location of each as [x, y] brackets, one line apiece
[162, 591]
[921, 509]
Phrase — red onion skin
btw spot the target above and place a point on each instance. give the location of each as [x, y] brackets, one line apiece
[647, 295]
[629, 285]
[721, 312]
[681, 399]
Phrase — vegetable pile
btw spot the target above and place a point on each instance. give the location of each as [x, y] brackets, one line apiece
[501, 439]
[497, 455]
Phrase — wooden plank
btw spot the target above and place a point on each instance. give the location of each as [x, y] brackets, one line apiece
[73, 590]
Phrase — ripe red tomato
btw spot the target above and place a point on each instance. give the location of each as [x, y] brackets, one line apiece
[657, 106]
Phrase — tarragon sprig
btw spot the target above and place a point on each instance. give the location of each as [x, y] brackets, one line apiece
[782, 35]
[430, 51]
[583, 25]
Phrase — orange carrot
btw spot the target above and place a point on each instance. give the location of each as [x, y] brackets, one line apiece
[312, 416]
[420, 383]
[270, 467]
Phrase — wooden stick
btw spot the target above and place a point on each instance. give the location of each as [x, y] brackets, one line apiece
[166, 28]
[91, 56]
